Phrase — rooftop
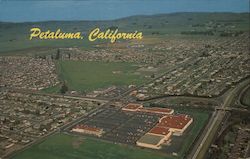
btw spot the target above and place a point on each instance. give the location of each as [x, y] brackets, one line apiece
[174, 121]
[150, 139]
[133, 106]
[140, 108]
[86, 127]
[158, 110]
[159, 130]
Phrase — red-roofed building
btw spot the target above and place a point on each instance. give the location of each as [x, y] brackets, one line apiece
[155, 138]
[169, 124]
[160, 131]
[176, 123]
[132, 107]
[139, 108]
[87, 130]
[157, 110]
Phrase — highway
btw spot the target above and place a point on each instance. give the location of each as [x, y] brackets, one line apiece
[205, 140]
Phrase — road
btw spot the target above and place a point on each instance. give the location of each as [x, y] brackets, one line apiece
[56, 95]
[205, 140]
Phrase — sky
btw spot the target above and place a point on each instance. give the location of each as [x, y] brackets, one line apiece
[44, 10]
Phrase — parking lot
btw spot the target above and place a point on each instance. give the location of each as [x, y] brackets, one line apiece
[121, 126]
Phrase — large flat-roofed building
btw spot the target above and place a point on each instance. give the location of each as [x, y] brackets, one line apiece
[132, 107]
[139, 108]
[88, 130]
[155, 138]
[176, 123]
[157, 110]
[161, 132]
[168, 124]
[151, 141]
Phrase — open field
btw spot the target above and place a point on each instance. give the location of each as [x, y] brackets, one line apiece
[87, 76]
[200, 120]
[63, 146]
[15, 36]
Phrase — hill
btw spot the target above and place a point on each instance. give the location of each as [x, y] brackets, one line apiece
[14, 37]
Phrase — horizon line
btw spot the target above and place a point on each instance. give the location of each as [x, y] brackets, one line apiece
[115, 19]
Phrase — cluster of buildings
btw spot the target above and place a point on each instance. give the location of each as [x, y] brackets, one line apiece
[149, 127]
[240, 149]
[124, 54]
[217, 67]
[167, 126]
[27, 72]
[199, 66]
[110, 92]
[26, 117]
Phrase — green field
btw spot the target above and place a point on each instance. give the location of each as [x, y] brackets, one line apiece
[87, 76]
[200, 118]
[63, 146]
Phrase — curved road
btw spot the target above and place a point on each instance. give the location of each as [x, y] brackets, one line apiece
[205, 140]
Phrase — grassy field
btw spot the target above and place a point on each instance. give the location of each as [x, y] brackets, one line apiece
[200, 119]
[87, 76]
[63, 146]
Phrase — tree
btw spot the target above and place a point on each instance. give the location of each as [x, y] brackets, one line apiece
[64, 88]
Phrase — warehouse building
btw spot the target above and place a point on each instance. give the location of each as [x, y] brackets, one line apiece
[139, 108]
[88, 130]
[167, 126]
